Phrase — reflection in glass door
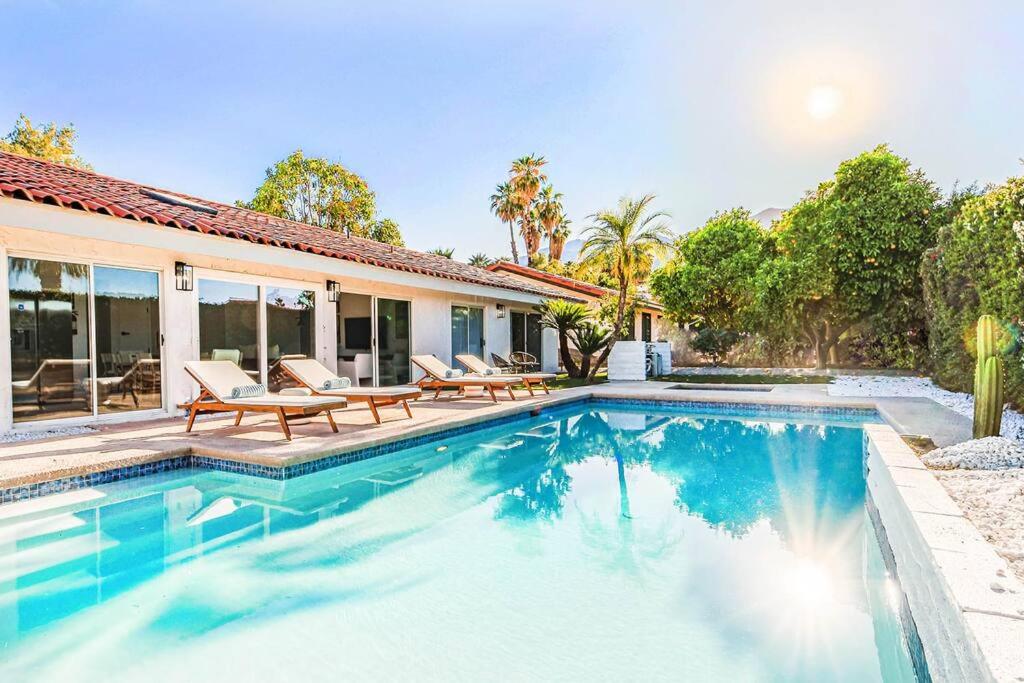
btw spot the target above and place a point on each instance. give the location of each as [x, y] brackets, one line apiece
[467, 331]
[127, 339]
[526, 333]
[50, 360]
[290, 331]
[229, 323]
[393, 342]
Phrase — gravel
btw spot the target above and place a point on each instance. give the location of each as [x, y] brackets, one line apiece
[990, 453]
[16, 437]
[879, 386]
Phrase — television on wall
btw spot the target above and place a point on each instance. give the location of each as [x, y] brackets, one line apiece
[357, 333]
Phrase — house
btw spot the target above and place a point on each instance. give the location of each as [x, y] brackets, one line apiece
[112, 285]
[648, 324]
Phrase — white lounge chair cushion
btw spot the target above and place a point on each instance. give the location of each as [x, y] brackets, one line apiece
[295, 391]
[219, 377]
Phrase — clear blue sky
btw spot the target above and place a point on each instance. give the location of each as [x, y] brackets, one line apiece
[709, 105]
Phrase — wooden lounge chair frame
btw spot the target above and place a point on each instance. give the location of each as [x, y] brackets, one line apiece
[372, 399]
[537, 379]
[207, 402]
[433, 381]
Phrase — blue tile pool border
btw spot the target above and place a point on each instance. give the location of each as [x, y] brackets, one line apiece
[725, 408]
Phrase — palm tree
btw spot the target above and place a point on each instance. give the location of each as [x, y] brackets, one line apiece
[625, 242]
[564, 317]
[526, 179]
[480, 260]
[549, 209]
[589, 339]
[441, 251]
[506, 206]
[557, 238]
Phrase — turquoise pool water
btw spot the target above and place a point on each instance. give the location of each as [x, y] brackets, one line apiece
[594, 542]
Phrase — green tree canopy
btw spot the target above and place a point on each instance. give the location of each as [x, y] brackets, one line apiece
[316, 191]
[711, 279]
[386, 230]
[49, 142]
[850, 250]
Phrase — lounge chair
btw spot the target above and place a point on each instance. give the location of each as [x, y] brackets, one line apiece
[439, 376]
[315, 377]
[480, 368]
[219, 378]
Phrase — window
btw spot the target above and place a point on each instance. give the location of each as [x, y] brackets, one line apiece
[229, 323]
[290, 331]
[645, 326]
[467, 331]
[526, 333]
[56, 323]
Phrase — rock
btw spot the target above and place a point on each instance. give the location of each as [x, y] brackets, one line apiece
[990, 453]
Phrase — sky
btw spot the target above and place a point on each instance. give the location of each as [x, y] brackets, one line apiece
[708, 105]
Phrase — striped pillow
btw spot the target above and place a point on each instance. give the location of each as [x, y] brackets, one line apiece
[336, 383]
[249, 391]
[452, 374]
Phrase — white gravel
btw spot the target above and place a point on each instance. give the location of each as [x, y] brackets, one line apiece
[990, 453]
[16, 437]
[880, 386]
[994, 502]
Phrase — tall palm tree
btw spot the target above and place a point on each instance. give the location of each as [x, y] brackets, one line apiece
[526, 177]
[480, 260]
[625, 242]
[505, 205]
[549, 209]
[557, 238]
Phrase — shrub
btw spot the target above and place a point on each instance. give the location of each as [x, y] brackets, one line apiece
[715, 344]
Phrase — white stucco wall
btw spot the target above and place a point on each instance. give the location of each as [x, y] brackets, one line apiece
[45, 232]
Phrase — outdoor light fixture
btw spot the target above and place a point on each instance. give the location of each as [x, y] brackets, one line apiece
[182, 276]
[333, 290]
[501, 310]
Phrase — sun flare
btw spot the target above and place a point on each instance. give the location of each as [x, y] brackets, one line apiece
[823, 102]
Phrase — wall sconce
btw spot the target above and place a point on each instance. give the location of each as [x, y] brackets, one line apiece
[182, 276]
[333, 290]
[501, 310]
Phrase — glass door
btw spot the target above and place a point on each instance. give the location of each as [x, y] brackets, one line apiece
[392, 341]
[526, 333]
[229, 324]
[291, 333]
[467, 331]
[85, 340]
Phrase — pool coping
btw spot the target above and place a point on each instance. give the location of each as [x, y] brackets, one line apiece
[966, 604]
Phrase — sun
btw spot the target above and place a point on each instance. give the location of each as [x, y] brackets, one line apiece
[823, 102]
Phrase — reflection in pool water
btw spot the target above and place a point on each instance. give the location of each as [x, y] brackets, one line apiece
[594, 542]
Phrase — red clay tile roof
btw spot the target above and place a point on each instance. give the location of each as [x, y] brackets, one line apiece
[578, 286]
[48, 183]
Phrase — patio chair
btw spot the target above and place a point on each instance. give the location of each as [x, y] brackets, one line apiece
[503, 363]
[316, 378]
[478, 367]
[220, 379]
[524, 362]
[439, 376]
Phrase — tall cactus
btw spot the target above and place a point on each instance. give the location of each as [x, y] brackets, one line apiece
[988, 381]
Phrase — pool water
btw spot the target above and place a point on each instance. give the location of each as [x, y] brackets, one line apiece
[593, 542]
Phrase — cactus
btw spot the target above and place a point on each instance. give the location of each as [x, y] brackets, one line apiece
[988, 381]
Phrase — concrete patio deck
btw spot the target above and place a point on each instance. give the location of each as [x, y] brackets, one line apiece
[258, 440]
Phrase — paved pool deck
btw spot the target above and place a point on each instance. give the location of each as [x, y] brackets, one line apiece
[258, 440]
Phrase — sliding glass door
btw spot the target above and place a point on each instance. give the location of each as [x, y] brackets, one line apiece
[526, 332]
[467, 331]
[290, 331]
[85, 339]
[393, 342]
[229, 324]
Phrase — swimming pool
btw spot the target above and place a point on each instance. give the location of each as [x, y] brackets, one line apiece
[596, 541]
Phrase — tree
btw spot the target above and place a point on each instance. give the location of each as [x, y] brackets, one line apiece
[625, 242]
[480, 260]
[316, 191]
[386, 230]
[49, 142]
[714, 343]
[564, 317]
[589, 338]
[850, 250]
[549, 211]
[442, 251]
[710, 281]
[556, 240]
[506, 206]
[526, 178]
